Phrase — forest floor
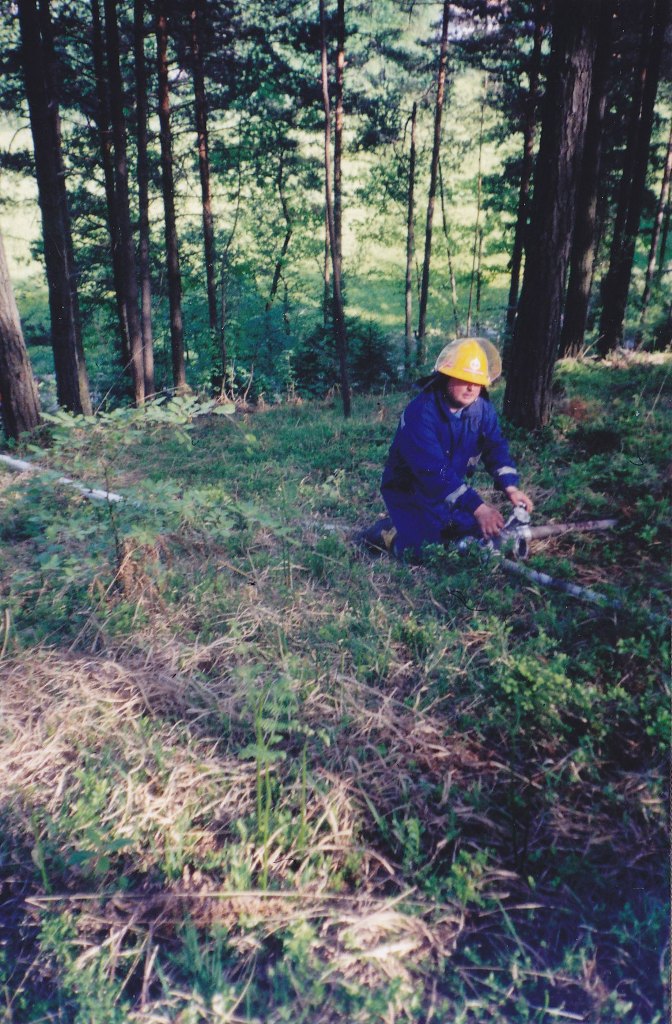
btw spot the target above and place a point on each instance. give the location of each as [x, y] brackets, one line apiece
[250, 773]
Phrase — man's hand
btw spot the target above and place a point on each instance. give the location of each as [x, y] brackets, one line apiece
[490, 520]
[518, 497]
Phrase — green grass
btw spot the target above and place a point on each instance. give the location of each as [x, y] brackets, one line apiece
[251, 774]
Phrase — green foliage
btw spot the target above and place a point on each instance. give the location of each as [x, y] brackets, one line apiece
[259, 775]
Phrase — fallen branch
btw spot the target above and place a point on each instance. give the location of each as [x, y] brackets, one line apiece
[93, 493]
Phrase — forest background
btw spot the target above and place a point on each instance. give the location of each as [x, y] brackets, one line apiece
[250, 774]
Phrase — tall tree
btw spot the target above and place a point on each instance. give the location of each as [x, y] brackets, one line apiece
[19, 403]
[527, 400]
[337, 295]
[122, 202]
[339, 117]
[421, 351]
[37, 54]
[410, 245]
[168, 189]
[201, 107]
[584, 242]
[663, 199]
[143, 195]
[529, 131]
[102, 118]
[617, 282]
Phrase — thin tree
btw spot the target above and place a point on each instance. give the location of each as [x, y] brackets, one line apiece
[143, 196]
[339, 117]
[617, 282]
[102, 118]
[584, 242]
[410, 245]
[478, 234]
[72, 385]
[168, 190]
[201, 107]
[19, 402]
[449, 255]
[280, 262]
[663, 198]
[529, 131]
[421, 351]
[527, 400]
[122, 202]
[338, 311]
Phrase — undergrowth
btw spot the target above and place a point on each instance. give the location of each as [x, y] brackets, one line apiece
[250, 774]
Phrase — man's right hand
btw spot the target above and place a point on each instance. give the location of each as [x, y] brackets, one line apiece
[490, 520]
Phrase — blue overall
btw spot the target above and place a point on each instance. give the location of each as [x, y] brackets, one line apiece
[433, 455]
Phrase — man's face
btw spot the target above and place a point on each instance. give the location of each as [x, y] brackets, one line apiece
[461, 393]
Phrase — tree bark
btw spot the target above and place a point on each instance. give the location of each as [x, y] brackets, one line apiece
[478, 235]
[122, 202]
[168, 188]
[617, 282]
[410, 247]
[338, 311]
[107, 159]
[527, 400]
[529, 131]
[584, 242]
[19, 403]
[421, 351]
[201, 107]
[72, 384]
[280, 262]
[663, 199]
[338, 136]
[143, 197]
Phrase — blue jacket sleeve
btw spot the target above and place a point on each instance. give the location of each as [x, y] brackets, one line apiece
[496, 456]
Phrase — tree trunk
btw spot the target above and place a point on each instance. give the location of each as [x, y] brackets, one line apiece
[663, 198]
[143, 197]
[617, 281]
[527, 400]
[529, 130]
[449, 255]
[584, 242]
[122, 202]
[421, 351]
[338, 311]
[410, 246]
[338, 134]
[19, 403]
[280, 262]
[37, 58]
[168, 188]
[478, 237]
[196, 15]
[107, 159]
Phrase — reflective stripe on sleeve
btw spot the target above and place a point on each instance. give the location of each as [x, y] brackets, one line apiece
[454, 495]
[506, 471]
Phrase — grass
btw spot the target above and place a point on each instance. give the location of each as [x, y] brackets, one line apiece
[250, 774]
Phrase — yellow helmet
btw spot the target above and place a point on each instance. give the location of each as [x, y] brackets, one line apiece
[475, 360]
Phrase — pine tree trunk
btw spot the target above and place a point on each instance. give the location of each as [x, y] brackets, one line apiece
[200, 101]
[478, 236]
[529, 130]
[105, 136]
[168, 188]
[338, 311]
[421, 352]
[338, 136]
[584, 242]
[663, 198]
[449, 256]
[122, 202]
[19, 403]
[37, 59]
[410, 247]
[617, 282]
[143, 197]
[527, 400]
[280, 262]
